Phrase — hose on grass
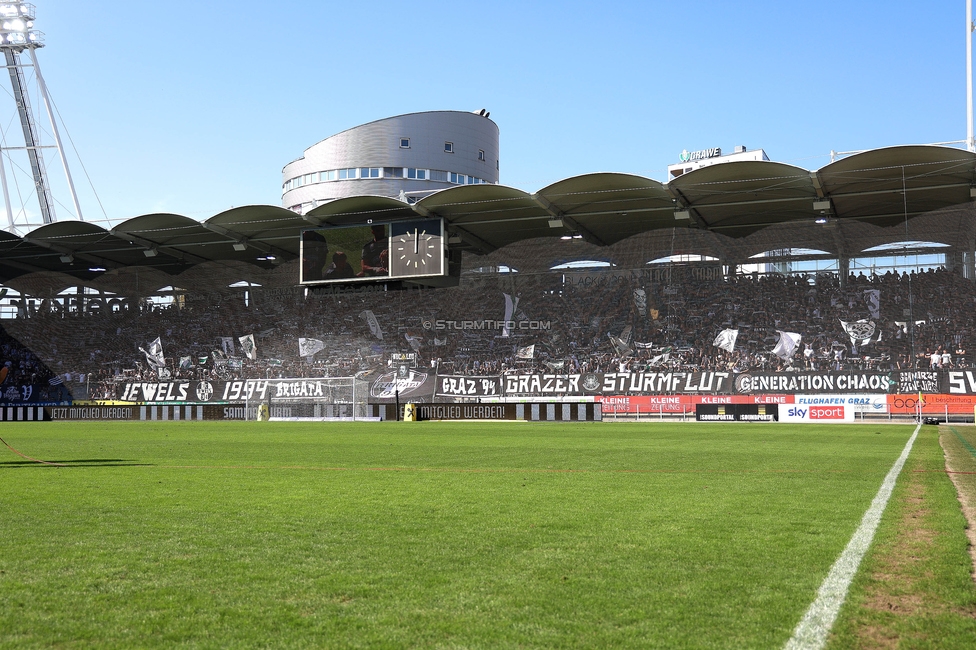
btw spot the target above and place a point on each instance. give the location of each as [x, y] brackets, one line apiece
[43, 462]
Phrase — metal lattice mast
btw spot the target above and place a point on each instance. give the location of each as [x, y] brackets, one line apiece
[31, 142]
[16, 35]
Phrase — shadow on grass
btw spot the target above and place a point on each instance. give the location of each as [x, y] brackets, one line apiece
[78, 462]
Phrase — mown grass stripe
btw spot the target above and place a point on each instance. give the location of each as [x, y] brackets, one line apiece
[812, 630]
[965, 443]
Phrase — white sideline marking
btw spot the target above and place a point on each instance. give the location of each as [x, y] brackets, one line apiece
[812, 630]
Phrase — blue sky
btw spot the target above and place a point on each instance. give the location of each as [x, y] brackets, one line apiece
[197, 112]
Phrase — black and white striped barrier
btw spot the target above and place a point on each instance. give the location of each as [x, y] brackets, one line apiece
[534, 412]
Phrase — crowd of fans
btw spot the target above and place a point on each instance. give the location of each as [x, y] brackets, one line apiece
[562, 323]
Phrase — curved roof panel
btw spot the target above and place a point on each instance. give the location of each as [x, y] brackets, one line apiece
[738, 198]
[735, 209]
[268, 224]
[869, 185]
[612, 206]
[488, 216]
[357, 209]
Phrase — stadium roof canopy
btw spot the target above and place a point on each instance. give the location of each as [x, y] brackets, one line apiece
[724, 203]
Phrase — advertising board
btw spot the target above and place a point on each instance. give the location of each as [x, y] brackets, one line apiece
[737, 412]
[867, 403]
[817, 414]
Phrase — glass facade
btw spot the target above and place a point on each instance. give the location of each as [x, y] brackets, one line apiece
[358, 173]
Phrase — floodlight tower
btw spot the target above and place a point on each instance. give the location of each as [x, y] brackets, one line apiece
[970, 139]
[17, 34]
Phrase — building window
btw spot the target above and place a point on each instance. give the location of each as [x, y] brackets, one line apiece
[345, 174]
[404, 143]
[448, 147]
[328, 176]
[393, 172]
[438, 175]
[369, 172]
[481, 155]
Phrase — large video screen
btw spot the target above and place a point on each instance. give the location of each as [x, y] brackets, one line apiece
[375, 252]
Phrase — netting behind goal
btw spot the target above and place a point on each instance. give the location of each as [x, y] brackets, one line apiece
[342, 398]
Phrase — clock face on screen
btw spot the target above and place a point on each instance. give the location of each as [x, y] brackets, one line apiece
[417, 252]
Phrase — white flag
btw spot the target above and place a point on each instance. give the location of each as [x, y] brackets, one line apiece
[859, 332]
[155, 354]
[511, 304]
[620, 345]
[787, 344]
[872, 297]
[726, 339]
[374, 325]
[414, 341]
[250, 349]
[625, 335]
[528, 352]
[308, 347]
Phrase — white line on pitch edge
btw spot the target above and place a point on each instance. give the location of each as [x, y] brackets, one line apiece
[812, 630]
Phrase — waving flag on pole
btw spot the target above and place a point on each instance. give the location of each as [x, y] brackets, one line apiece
[154, 356]
[859, 332]
[250, 349]
[511, 304]
[872, 298]
[726, 339]
[528, 352]
[414, 341]
[787, 344]
[308, 347]
[374, 325]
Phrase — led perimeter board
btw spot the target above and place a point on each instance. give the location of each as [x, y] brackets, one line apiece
[378, 252]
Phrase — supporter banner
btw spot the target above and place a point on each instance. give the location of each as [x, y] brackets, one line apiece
[831, 414]
[456, 386]
[815, 382]
[959, 382]
[859, 403]
[224, 391]
[616, 383]
[35, 395]
[862, 390]
[917, 381]
[411, 386]
[666, 382]
[197, 391]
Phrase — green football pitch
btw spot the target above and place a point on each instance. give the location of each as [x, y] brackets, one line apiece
[493, 535]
